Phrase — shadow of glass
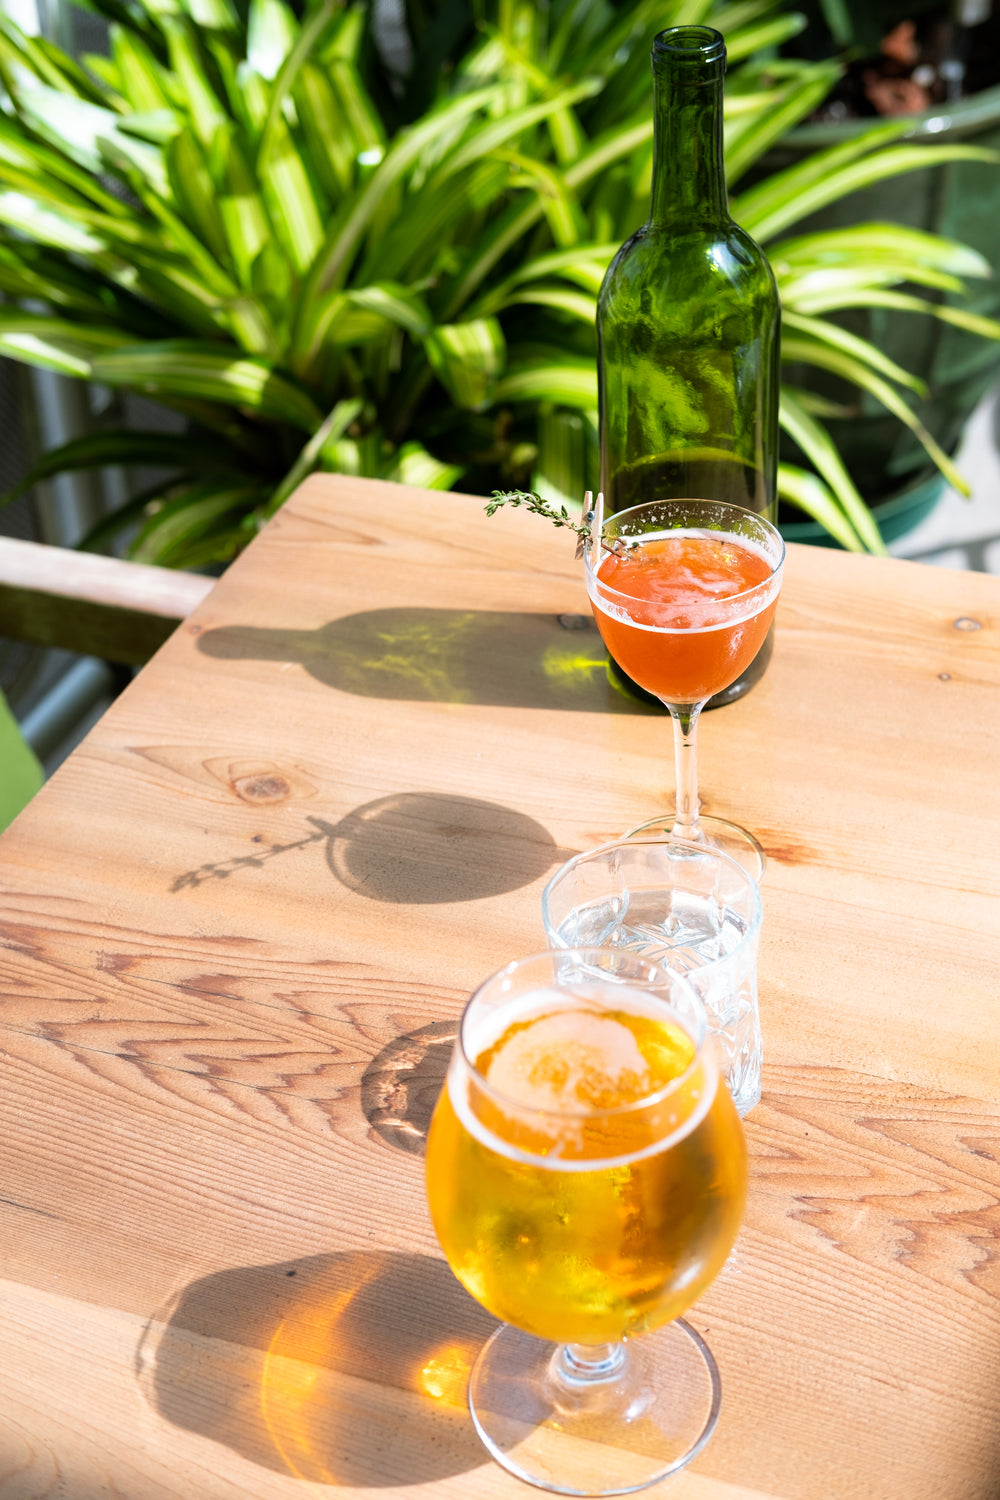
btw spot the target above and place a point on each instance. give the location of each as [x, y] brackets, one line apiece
[338, 1369]
[506, 660]
[418, 848]
[400, 1086]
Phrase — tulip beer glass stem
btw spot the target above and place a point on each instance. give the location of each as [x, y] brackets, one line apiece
[586, 1173]
[684, 593]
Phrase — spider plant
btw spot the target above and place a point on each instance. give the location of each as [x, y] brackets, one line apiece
[320, 263]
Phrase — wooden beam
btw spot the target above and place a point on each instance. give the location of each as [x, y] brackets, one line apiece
[97, 606]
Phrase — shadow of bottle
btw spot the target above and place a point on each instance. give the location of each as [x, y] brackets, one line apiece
[513, 660]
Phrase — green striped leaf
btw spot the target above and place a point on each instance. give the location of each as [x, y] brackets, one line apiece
[789, 199]
[55, 344]
[303, 43]
[213, 15]
[747, 141]
[414, 465]
[327, 435]
[575, 304]
[397, 305]
[810, 494]
[857, 373]
[49, 63]
[818, 447]
[513, 226]
[241, 212]
[561, 467]
[72, 127]
[127, 446]
[766, 33]
[583, 265]
[467, 358]
[185, 531]
[195, 192]
[775, 190]
[53, 175]
[849, 343]
[331, 145]
[200, 100]
[565, 218]
[490, 136]
[341, 246]
[139, 74]
[271, 35]
[181, 368]
[407, 237]
[570, 382]
[958, 317]
[875, 244]
[292, 203]
[26, 273]
[825, 287]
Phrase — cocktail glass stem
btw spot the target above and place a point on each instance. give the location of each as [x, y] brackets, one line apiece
[685, 721]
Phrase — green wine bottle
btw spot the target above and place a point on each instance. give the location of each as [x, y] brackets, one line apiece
[688, 320]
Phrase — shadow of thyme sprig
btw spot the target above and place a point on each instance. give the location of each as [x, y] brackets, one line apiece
[618, 547]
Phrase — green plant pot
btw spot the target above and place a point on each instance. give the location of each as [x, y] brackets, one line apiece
[895, 517]
[960, 200]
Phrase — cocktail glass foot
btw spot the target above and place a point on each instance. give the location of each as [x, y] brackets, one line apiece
[733, 840]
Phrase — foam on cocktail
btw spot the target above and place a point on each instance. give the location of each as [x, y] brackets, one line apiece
[684, 612]
[659, 569]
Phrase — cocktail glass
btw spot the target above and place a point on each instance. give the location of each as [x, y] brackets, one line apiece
[684, 592]
[586, 1175]
[688, 907]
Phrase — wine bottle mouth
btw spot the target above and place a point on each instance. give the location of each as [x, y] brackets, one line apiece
[691, 45]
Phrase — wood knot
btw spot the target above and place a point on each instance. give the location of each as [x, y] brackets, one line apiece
[267, 788]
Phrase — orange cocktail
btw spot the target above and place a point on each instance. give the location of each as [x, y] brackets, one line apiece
[695, 616]
[684, 593]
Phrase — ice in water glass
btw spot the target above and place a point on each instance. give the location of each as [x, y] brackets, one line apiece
[687, 907]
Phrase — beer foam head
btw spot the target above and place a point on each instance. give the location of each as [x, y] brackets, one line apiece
[596, 1073]
[572, 1061]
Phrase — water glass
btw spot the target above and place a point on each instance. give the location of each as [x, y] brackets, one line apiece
[686, 906]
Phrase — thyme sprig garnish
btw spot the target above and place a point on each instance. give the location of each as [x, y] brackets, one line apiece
[539, 507]
[618, 546]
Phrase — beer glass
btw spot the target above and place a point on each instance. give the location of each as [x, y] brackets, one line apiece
[586, 1175]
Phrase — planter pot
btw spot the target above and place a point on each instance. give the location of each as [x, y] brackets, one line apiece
[895, 517]
[960, 200]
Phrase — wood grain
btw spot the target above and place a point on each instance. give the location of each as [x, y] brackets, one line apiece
[237, 928]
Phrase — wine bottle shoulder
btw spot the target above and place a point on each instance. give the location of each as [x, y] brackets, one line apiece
[712, 258]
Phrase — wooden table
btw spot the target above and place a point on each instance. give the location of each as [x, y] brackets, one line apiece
[239, 923]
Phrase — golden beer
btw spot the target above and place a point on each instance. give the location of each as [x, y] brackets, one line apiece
[586, 1174]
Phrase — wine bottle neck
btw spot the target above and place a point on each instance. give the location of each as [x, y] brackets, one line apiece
[689, 173]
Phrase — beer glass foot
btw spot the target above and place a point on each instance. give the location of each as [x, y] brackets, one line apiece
[608, 1421]
[730, 838]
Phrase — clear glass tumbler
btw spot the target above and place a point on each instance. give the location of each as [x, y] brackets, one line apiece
[688, 907]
